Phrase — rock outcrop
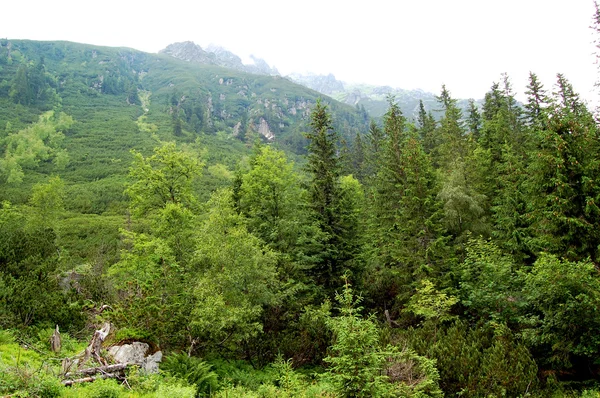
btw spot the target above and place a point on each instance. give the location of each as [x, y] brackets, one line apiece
[137, 353]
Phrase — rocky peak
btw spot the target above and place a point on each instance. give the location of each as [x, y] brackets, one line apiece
[189, 51]
[216, 55]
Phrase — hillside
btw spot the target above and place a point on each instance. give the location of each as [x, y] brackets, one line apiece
[122, 99]
[364, 97]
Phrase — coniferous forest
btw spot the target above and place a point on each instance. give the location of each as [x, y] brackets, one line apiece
[271, 242]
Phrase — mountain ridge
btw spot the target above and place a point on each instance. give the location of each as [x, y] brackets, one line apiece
[374, 99]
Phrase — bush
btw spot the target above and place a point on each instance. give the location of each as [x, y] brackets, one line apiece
[194, 371]
[477, 361]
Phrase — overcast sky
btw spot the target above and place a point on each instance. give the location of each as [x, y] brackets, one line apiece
[465, 44]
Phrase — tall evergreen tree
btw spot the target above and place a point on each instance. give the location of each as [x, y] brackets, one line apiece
[325, 197]
[565, 194]
[474, 120]
[406, 221]
[426, 129]
[451, 132]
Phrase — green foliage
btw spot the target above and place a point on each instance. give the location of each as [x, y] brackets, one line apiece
[194, 371]
[477, 361]
[361, 367]
[163, 178]
[489, 286]
[103, 388]
[38, 143]
[430, 303]
[323, 167]
[149, 283]
[237, 277]
[29, 289]
[562, 298]
[464, 209]
[565, 194]
[47, 203]
[269, 199]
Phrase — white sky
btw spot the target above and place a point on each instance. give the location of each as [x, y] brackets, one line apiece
[409, 44]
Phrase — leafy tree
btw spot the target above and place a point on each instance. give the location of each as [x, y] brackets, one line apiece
[464, 207]
[153, 294]
[38, 143]
[47, 202]
[236, 278]
[360, 365]
[488, 283]
[273, 203]
[562, 298]
[162, 178]
[431, 304]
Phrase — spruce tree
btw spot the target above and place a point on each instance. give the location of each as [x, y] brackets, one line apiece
[426, 127]
[451, 133]
[333, 252]
[565, 193]
[407, 219]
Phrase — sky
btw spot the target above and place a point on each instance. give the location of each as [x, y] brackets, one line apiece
[416, 44]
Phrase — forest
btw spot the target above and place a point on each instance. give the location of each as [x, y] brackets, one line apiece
[450, 252]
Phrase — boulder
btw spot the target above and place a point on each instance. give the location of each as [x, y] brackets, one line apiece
[137, 353]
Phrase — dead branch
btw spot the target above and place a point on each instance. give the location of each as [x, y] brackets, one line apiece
[391, 323]
[90, 379]
[98, 369]
[93, 349]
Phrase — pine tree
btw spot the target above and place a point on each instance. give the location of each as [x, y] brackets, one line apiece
[427, 129]
[451, 132]
[565, 195]
[325, 197]
[406, 226]
[374, 144]
[474, 120]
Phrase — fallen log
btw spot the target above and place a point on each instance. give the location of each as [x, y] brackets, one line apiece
[89, 379]
[98, 369]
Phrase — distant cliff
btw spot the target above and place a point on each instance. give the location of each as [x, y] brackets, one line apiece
[215, 55]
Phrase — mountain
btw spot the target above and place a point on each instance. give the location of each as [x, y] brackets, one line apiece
[122, 99]
[366, 98]
[373, 98]
[215, 55]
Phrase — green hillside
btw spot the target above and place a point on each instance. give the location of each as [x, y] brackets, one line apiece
[122, 99]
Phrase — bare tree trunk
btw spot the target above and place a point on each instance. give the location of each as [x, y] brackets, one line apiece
[93, 349]
[55, 340]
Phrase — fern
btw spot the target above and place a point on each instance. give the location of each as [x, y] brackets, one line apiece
[194, 371]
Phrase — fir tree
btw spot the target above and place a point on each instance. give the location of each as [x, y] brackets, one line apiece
[565, 193]
[325, 197]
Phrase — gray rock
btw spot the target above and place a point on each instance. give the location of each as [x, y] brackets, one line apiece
[136, 353]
